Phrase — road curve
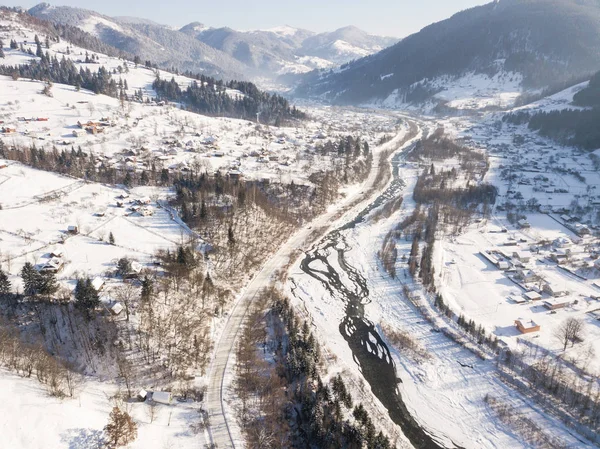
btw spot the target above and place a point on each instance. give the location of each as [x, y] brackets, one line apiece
[221, 433]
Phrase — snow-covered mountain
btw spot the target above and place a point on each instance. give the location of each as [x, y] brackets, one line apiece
[159, 44]
[223, 52]
[527, 44]
[290, 50]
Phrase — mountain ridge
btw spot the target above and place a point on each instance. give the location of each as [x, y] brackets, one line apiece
[222, 52]
[545, 41]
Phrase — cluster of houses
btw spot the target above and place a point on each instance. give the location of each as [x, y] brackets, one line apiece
[51, 263]
[139, 205]
[550, 293]
[92, 127]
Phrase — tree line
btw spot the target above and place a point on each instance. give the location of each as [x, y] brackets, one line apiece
[287, 404]
[210, 97]
[64, 71]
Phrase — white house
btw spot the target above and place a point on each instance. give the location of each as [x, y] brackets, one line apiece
[522, 256]
[526, 275]
[554, 289]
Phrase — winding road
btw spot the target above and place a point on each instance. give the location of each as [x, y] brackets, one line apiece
[222, 430]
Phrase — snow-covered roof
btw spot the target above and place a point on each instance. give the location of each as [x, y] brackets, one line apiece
[97, 283]
[116, 308]
[162, 397]
[526, 323]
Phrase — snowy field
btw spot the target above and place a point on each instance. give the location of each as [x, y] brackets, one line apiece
[43, 422]
[38, 208]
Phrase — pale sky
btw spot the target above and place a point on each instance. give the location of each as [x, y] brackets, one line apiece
[385, 17]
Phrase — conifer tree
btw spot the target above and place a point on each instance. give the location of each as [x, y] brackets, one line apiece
[30, 279]
[5, 287]
[86, 297]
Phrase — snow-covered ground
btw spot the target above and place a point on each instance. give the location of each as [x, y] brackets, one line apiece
[471, 91]
[38, 207]
[445, 393]
[563, 181]
[33, 420]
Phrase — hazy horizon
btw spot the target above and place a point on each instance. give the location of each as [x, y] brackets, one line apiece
[382, 17]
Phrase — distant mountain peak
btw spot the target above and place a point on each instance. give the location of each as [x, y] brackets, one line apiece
[194, 26]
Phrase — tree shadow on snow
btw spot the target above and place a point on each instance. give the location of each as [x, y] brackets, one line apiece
[83, 438]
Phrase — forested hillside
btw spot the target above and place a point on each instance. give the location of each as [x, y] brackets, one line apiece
[544, 41]
[210, 97]
[577, 127]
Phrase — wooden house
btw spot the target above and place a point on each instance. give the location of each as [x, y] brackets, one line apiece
[527, 326]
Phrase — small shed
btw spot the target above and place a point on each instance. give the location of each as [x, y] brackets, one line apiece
[503, 265]
[162, 397]
[116, 308]
[527, 326]
[73, 229]
[142, 395]
[518, 299]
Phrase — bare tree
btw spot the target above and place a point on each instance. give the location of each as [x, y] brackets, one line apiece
[127, 372]
[152, 411]
[126, 294]
[571, 330]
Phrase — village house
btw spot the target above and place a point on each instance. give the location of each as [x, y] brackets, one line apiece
[54, 265]
[560, 255]
[581, 229]
[136, 270]
[554, 304]
[144, 200]
[526, 276]
[147, 211]
[73, 229]
[522, 256]
[98, 283]
[116, 309]
[554, 290]
[527, 326]
[524, 224]
[532, 296]
[561, 242]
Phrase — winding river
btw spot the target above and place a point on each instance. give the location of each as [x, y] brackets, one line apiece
[349, 286]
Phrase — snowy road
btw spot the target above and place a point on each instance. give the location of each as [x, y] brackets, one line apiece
[223, 431]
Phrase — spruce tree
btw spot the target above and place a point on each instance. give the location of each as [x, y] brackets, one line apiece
[147, 288]
[5, 287]
[47, 284]
[123, 266]
[111, 238]
[30, 279]
[86, 297]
